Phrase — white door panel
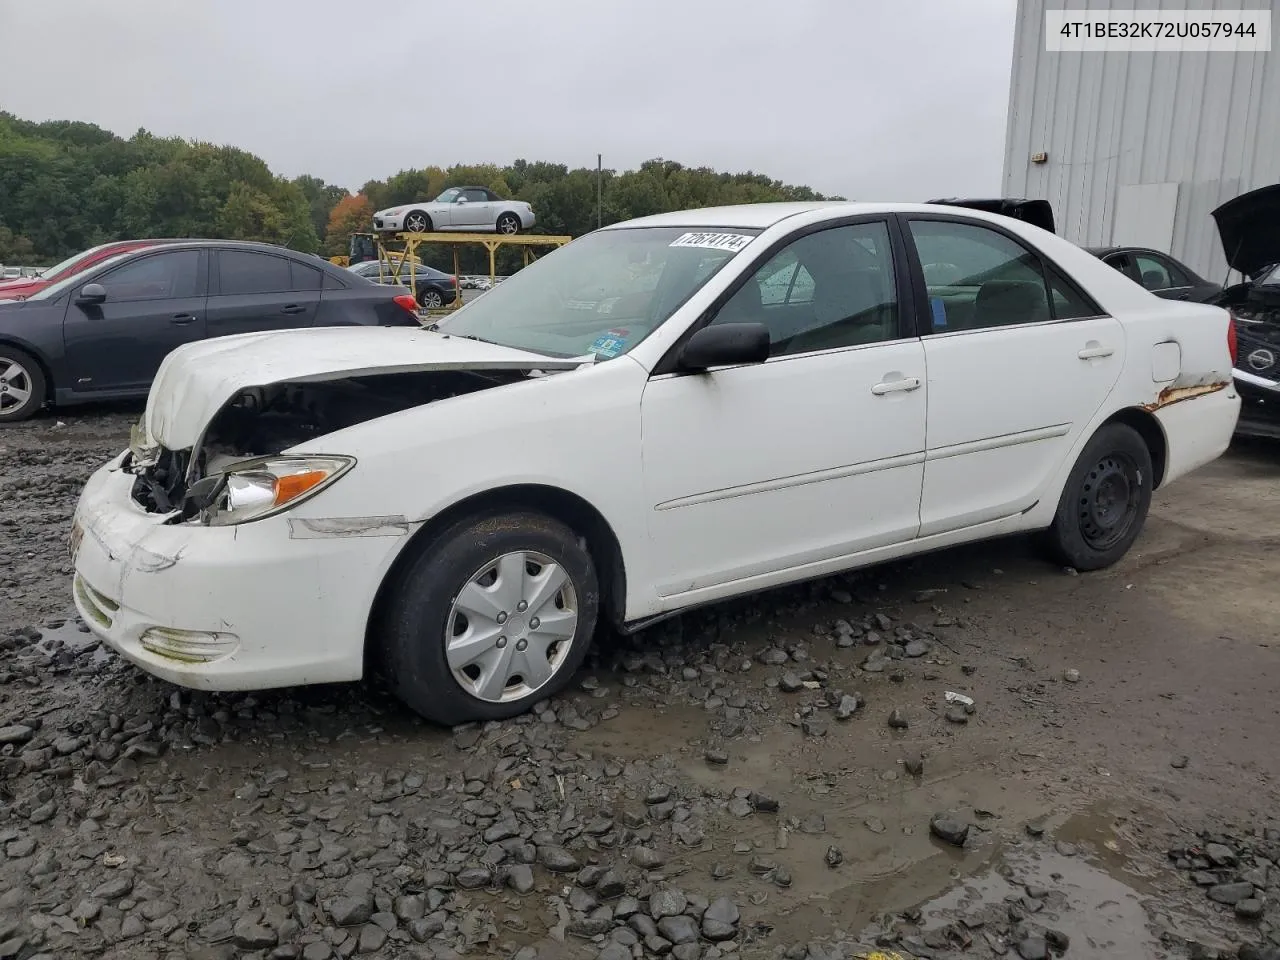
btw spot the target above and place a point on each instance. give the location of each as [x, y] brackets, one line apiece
[760, 468]
[1005, 406]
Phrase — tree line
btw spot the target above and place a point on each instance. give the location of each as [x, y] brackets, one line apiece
[68, 185]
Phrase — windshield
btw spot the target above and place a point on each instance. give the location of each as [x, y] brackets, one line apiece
[601, 294]
[449, 195]
[71, 261]
[1271, 276]
[55, 290]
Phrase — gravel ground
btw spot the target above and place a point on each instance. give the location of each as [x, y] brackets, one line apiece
[782, 776]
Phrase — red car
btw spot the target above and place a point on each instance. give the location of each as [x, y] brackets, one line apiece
[24, 287]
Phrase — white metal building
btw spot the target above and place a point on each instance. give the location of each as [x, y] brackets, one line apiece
[1138, 148]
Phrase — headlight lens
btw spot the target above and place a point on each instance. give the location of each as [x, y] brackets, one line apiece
[259, 488]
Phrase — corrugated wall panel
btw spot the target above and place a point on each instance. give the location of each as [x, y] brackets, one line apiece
[1208, 121]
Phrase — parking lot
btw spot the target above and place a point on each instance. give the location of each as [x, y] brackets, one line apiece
[742, 755]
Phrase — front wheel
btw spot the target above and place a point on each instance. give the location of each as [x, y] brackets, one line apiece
[1104, 504]
[415, 221]
[489, 618]
[509, 224]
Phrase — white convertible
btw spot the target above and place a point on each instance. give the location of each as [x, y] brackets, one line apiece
[466, 209]
[663, 413]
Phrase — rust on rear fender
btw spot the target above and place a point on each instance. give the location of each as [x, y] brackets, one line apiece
[1175, 393]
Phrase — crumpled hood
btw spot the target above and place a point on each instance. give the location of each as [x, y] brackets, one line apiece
[196, 380]
[1249, 226]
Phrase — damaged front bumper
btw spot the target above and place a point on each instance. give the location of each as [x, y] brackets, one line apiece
[276, 602]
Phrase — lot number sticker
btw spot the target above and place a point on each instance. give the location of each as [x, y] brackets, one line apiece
[733, 242]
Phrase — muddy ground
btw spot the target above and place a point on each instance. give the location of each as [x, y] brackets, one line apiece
[726, 784]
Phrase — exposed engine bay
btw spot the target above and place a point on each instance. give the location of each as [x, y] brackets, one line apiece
[264, 421]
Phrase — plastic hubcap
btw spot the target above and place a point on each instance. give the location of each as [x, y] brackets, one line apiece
[511, 627]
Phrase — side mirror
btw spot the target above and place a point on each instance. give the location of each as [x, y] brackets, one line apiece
[461, 200]
[724, 345]
[92, 293]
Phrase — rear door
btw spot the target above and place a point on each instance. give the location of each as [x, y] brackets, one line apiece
[1019, 361]
[252, 291]
[155, 302]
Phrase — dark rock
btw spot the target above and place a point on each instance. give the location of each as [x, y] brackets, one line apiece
[372, 939]
[614, 951]
[814, 727]
[611, 886]
[115, 888]
[947, 828]
[251, 934]
[1230, 893]
[914, 765]
[557, 859]
[351, 911]
[686, 951]
[739, 807]
[678, 929]
[847, 707]
[1033, 948]
[790, 683]
[16, 733]
[762, 803]
[1057, 940]
[716, 756]
[519, 877]
[877, 662]
[772, 656]
[898, 720]
[588, 927]
[833, 857]
[1249, 909]
[667, 903]
[647, 858]
[957, 715]
[317, 950]
[473, 878]
[720, 921]
[1180, 763]
[917, 648]
[1220, 855]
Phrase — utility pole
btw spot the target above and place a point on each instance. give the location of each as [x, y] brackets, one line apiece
[599, 191]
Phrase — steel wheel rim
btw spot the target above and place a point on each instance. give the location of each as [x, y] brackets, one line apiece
[1108, 501]
[508, 225]
[415, 223]
[432, 299]
[511, 627]
[15, 385]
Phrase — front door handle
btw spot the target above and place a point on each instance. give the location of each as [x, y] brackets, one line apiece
[293, 308]
[1093, 350]
[182, 319]
[896, 386]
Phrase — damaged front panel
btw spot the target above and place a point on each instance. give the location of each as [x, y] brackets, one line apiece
[267, 420]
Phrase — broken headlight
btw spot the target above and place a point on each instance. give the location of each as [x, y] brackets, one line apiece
[254, 489]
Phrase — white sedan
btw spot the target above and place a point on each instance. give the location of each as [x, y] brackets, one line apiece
[670, 411]
[465, 209]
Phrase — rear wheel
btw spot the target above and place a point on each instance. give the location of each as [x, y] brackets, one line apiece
[491, 617]
[22, 385]
[1104, 504]
[509, 224]
[416, 221]
[430, 298]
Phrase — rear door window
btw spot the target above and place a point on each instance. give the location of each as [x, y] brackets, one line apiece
[242, 273]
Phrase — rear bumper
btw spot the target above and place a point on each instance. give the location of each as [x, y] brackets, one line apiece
[1259, 406]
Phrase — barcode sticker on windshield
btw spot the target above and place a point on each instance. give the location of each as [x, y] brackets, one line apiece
[733, 242]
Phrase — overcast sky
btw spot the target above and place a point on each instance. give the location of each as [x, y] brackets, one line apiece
[870, 99]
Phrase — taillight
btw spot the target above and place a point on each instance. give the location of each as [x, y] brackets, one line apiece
[406, 301]
[1232, 345]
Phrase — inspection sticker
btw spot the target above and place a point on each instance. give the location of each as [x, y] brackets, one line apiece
[733, 242]
[610, 344]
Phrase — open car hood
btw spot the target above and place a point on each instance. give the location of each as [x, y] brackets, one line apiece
[196, 380]
[1038, 213]
[1249, 226]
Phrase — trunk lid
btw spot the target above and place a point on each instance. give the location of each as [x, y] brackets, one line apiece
[196, 380]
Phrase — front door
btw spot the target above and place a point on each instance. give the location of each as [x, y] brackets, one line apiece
[155, 302]
[253, 291]
[813, 455]
[472, 210]
[1019, 362]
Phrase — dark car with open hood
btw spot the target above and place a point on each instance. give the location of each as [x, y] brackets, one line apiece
[101, 333]
[1250, 229]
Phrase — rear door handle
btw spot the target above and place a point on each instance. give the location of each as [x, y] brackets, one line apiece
[896, 386]
[1095, 351]
[182, 319]
[293, 308]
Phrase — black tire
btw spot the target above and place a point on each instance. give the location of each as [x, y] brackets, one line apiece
[508, 223]
[430, 298]
[414, 215]
[418, 616]
[19, 371]
[1104, 504]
